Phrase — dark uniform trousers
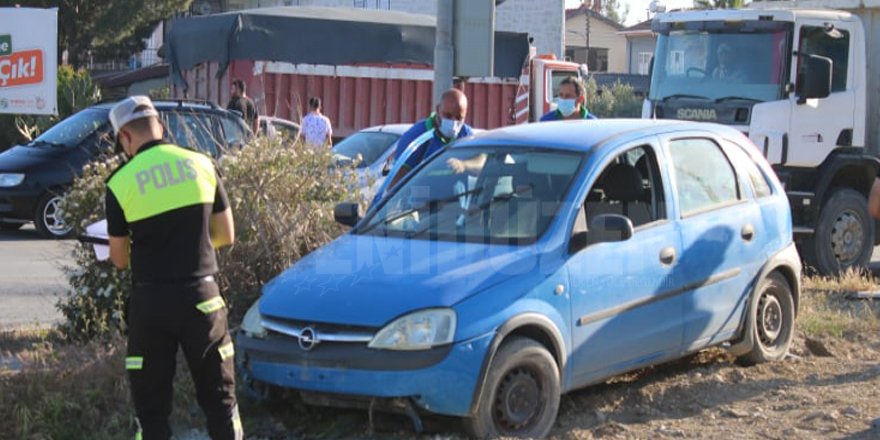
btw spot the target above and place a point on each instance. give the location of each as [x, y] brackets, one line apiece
[192, 316]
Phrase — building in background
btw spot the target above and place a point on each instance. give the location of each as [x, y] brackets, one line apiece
[640, 43]
[606, 49]
[542, 19]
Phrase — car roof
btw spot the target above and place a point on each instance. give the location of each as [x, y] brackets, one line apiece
[389, 128]
[165, 104]
[277, 120]
[584, 135]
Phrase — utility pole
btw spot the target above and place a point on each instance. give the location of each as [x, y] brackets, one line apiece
[443, 49]
[587, 6]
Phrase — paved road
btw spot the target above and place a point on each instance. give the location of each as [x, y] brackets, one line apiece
[31, 280]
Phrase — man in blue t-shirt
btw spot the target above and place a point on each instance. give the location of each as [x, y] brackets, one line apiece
[570, 103]
[447, 124]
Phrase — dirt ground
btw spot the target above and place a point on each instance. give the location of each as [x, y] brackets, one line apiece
[827, 388]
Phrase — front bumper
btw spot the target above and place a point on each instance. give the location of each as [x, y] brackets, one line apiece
[442, 380]
[19, 203]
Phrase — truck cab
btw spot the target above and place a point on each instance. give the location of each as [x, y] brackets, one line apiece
[794, 81]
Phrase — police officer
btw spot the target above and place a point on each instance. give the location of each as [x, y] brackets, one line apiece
[570, 103]
[166, 213]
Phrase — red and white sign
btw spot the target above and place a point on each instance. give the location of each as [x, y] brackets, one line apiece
[28, 61]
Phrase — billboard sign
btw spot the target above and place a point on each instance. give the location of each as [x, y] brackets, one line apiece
[28, 61]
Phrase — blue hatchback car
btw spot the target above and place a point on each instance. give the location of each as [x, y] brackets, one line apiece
[559, 255]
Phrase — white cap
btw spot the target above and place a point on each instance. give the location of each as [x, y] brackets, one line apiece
[129, 109]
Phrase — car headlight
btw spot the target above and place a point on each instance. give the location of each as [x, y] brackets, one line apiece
[417, 331]
[252, 322]
[10, 180]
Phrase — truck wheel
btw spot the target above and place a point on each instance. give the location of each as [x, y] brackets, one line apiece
[49, 219]
[844, 235]
[771, 321]
[521, 394]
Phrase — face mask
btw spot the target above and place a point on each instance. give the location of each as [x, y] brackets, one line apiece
[449, 128]
[565, 106]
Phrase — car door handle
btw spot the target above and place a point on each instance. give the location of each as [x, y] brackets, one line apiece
[747, 232]
[667, 256]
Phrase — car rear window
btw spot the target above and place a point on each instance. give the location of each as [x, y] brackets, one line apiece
[747, 167]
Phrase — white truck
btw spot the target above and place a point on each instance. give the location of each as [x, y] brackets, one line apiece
[802, 82]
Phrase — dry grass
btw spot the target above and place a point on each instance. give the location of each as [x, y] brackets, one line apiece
[827, 310]
[53, 389]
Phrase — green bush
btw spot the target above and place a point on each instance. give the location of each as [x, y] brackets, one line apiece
[282, 198]
[617, 101]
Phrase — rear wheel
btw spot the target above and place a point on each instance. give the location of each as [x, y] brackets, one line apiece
[771, 321]
[520, 397]
[49, 218]
[844, 235]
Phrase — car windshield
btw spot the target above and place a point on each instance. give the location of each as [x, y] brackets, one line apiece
[73, 130]
[504, 195]
[721, 63]
[368, 145]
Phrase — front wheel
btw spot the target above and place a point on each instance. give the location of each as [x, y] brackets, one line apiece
[520, 397]
[770, 321]
[844, 235]
[49, 218]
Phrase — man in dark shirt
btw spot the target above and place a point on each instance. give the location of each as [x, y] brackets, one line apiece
[166, 213]
[244, 105]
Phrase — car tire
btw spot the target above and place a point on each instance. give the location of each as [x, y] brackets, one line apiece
[770, 321]
[48, 217]
[844, 235]
[6, 226]
[520, 395]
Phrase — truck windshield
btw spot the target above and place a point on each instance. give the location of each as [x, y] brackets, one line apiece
[721, 64]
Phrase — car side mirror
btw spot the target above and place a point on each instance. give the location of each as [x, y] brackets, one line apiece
[347, 213]
[816, 78]
[610, 228]
[386, 169]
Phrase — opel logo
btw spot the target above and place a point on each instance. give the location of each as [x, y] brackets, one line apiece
[308, 339]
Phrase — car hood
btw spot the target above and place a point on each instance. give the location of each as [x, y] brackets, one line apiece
[21, 158]
[368, 281]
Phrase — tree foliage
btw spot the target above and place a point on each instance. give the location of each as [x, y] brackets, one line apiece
[107, 29]
[719, 4]
[615, 11]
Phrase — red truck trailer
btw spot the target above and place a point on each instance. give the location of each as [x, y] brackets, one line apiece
[360, 96]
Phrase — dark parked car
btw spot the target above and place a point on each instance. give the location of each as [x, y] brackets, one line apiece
[33, 177]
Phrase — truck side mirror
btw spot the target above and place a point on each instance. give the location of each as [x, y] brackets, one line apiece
[816, 78]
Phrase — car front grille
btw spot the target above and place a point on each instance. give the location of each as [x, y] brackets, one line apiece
[309, 335]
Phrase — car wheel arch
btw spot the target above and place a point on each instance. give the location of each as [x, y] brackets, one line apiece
[530, 325]
[790, 272]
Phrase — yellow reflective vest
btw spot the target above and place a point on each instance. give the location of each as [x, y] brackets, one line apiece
[161, 179]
